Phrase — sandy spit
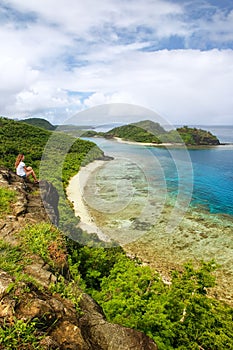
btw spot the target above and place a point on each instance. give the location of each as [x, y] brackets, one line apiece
[74, 193]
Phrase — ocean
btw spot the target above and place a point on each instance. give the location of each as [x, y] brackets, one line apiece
[209, 175]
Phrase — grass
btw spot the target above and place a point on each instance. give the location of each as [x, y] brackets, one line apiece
[46, 241]
[11, 258]
[20, 335]
[7, 198]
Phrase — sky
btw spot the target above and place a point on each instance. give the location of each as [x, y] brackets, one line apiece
[62, 57]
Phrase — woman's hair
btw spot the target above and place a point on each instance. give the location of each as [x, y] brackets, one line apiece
[18, 159]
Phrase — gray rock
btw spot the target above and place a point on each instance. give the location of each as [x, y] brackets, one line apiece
[41, 275]
[69, 336]
[102, 335]
[5, 282]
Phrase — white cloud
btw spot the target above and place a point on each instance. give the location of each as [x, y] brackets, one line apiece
[182, 84]
[82, 16]
[15, 74]
[101, 50]
[100, 98]
[220, 28]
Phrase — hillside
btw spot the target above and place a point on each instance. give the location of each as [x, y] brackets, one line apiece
[42, 123]
[151, 127]
[63, 154]
[151, 132]
[144, 131]
[17, 137]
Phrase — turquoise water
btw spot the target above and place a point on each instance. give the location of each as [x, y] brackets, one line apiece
[204, 175]
[213, 179]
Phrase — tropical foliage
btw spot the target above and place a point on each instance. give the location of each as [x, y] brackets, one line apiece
[133, 133]
[178, 315]
[194, 136]
[18, 138]
[150, 132]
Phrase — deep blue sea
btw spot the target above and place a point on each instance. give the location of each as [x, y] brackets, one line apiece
[204, 174]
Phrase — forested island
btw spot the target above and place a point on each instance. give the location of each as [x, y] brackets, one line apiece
[148, 131]
[180, 314]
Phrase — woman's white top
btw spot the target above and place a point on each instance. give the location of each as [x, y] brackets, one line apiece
[20, 169]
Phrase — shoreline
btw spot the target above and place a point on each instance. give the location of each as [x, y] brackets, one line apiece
[120, 140]
[74, 194]
[165, 144]
[169, 144]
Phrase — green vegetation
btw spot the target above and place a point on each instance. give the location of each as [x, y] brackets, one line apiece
[151, 127]
[92, 264]
[42, 239]
[68, 290]
[19, 137]
[62, 157]
[11, 258]
[7, 197]
[194, 136]
[135, 132]
[46, 241]
[16, 137]
[180, 315]
[42, 123]
[150, 132]
[20, 335]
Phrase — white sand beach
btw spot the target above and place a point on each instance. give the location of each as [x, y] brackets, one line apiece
[74, 193]
[118, 139]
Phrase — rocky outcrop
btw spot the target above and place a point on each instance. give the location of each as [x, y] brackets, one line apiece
[56, 318]
[31, 198]
[29, 206]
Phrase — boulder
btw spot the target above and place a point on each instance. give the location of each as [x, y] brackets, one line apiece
[102, 335]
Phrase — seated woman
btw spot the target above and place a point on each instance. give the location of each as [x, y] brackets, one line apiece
[24, 171]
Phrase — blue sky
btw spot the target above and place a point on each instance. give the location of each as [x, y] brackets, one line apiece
[61, 57]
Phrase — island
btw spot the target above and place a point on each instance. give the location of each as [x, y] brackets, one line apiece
[147, 131]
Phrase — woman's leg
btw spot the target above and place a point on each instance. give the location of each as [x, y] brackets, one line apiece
[31, 172]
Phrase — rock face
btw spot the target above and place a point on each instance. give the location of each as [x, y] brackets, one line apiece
[50, 199]
[62, 326]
